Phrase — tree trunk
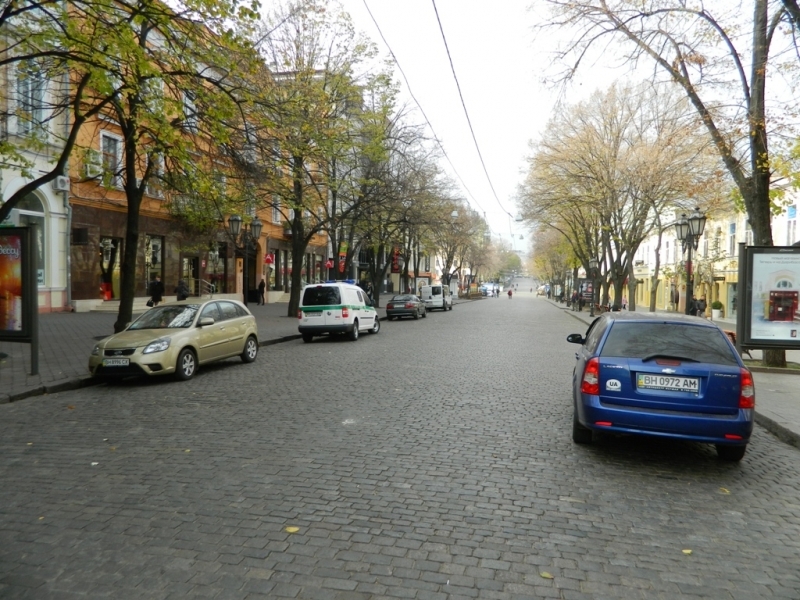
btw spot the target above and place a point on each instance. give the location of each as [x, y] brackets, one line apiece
[774, 358]
[298, 235]
[128, 266]
[298, 254]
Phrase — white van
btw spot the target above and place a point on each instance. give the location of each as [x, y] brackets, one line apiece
[336, 307]
[436, 296]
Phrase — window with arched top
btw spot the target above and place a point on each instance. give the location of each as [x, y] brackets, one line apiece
[31, 212]
[784, 284]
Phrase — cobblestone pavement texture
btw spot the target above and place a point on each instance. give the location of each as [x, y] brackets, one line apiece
[433, 460]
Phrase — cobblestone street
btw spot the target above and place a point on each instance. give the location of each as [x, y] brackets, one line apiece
[432, 460]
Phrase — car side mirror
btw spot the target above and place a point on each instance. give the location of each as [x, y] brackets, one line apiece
[205, 321]
[575, 338]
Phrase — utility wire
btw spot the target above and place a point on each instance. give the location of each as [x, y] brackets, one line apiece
[466, 113]
[408, 86]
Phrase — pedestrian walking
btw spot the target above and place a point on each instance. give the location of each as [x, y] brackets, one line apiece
[156, 291]
[700, 305]
[509, 293]
[261, 289]
[181, 290]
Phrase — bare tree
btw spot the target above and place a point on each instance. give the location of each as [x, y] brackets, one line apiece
[608, 171]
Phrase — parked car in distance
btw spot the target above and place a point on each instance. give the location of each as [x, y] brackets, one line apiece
[436, 296]
[177, 338]
[405, 305]
[336, 307]
[665, 375]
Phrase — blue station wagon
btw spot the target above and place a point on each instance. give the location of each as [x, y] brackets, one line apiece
[662, 374]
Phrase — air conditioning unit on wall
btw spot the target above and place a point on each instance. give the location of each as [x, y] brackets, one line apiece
[93, 170]
[61, 184]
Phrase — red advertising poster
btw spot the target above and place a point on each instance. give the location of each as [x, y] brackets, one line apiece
[396, 260]
[10, 281]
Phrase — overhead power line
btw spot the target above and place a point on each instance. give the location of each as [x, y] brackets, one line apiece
[464, 105]
[413, 97]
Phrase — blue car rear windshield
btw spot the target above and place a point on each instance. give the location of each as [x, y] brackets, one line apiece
[639, 340]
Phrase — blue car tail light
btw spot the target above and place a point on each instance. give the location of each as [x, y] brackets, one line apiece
[747, 395]
[591, 377]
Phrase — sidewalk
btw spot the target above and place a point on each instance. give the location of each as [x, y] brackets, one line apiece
[777, 394]
[67, 339]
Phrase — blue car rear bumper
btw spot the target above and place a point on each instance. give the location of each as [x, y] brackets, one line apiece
[698, 427]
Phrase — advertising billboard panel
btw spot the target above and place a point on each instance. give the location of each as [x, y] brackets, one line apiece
[773, 303]
[17, 284]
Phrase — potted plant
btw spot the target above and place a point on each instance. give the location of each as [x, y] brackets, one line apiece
[716, 310]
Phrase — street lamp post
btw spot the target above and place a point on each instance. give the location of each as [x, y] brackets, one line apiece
[593, 263]
[689, 231]
[401, 265]
[249, 234]
[213, 256]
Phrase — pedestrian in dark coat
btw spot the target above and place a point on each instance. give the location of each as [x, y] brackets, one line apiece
[701, 306]
[156, 290]
[181, 290]
[261, 287]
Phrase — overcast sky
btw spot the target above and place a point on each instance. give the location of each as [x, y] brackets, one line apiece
[499, 71]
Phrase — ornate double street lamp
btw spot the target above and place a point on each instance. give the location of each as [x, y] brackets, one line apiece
[689, 232]
[246, 241]
[593, 264]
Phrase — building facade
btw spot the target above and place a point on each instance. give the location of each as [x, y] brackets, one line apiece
[715, 263]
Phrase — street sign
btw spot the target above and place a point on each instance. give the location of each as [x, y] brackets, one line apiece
[269, 259]
[329, 264]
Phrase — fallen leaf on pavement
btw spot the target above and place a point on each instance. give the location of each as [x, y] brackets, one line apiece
[546, 575]
[292, 529]
[687, 552]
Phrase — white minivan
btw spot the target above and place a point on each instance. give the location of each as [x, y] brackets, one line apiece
[436, 296]
[336, 307]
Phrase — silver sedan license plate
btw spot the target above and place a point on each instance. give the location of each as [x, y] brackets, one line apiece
[116, 362]
[668, 383]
